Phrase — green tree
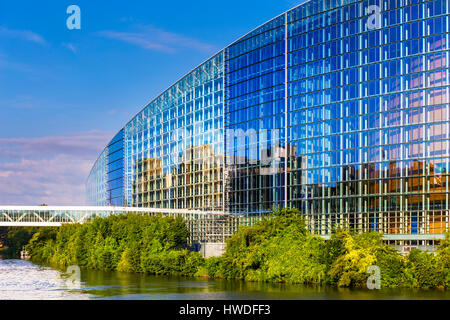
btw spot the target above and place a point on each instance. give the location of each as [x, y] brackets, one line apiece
[278, 249]
[358, 253]
[128, 243]
[16, 239]
[426, 270]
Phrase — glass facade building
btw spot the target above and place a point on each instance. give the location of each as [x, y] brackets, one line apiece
[173, 147]
[339, 108]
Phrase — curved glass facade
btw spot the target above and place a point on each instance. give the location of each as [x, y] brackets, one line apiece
[96, 185]
[339, 108]
[174, 147]
[367, 114]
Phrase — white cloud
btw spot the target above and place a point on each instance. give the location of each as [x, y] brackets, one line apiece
[22, 35]
[56, 181]
[151, 38]
[136, 39]
[70, 46]
[50, 170]
[6, 63]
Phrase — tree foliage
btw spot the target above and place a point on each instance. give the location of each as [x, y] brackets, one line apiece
[15, 239]
[277, 249]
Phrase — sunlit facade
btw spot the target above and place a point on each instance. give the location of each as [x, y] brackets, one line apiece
[337, 108]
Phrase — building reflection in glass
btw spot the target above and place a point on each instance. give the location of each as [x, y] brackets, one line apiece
[196, 182]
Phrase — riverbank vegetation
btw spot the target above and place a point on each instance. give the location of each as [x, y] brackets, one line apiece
[13, 239]
[128, 243]
[278, 249]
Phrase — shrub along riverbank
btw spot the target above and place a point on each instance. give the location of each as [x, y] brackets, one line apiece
[128, 243]
[12, 240]
[278, 249]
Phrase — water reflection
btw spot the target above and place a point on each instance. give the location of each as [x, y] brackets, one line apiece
[113, 285]
[23, 280]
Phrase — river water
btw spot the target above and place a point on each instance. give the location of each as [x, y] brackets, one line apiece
[20, 279]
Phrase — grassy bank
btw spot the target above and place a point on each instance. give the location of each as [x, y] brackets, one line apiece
[278, 249]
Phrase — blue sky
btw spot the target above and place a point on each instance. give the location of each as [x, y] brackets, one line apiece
[64, 93]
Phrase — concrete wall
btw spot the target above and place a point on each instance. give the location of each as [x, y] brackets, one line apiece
[212, 249]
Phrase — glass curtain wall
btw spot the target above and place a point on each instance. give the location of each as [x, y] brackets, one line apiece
[96, 185]
[339, 108]
[115, 171]
[255, 120]
[368, 114]
[174, 147]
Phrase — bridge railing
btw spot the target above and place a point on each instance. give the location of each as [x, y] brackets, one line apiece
[203, 226]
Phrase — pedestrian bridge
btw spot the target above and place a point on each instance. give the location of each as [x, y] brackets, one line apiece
[204, 226]
[44, 216]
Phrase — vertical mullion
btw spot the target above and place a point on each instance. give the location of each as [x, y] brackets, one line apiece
[286, 110]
